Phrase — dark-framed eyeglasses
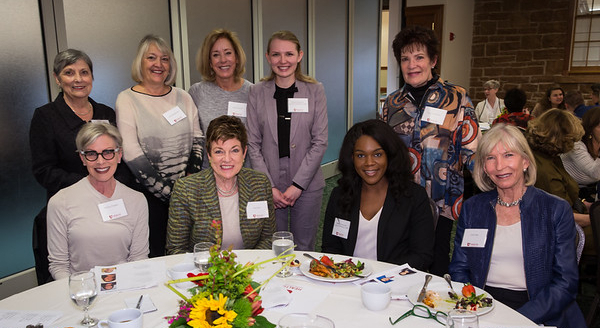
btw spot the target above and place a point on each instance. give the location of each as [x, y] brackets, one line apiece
[423, 311]
[92, 155]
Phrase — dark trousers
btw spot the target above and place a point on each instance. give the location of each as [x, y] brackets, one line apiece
[40, 248]
[158, 215]
[512, 298]
[441, 248]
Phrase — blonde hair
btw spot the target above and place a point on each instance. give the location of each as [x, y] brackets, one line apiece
[554, 132]
[203, 55]
[161, 44]
[492, 84]
[512, 139]
[89, 132]
[288, 36]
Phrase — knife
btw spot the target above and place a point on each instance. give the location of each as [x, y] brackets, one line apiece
[424, 289]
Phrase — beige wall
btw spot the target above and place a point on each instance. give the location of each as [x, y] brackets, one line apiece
[456, 54]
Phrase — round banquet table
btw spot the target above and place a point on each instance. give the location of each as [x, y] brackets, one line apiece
[342, 303]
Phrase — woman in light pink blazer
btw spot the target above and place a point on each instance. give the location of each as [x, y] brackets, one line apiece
[287, 138]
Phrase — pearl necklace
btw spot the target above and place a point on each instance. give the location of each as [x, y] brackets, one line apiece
[227, 193]
[503, 203]
[89, 109]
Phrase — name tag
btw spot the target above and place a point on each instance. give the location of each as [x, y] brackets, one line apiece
[434, 115]
[341, 228]
[257, 210]
[474, 238]
[297, 105]
[100, 121]
[112, 210]
[174, 115]
[236, 109]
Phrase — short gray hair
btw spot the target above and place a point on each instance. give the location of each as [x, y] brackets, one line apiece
[163, 46]
[491, 84]
[513, 139]
[89, 132]
[69, 57]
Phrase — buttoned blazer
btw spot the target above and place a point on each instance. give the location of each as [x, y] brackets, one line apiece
[405, 231]
[308, 134]
[194, 205]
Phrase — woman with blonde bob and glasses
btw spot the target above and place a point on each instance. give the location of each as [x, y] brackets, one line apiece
[98, 220]
[162, 139]
[526, 258]
[223, 90]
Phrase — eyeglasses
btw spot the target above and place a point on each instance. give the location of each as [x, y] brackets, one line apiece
[422, 311]
[92, 155]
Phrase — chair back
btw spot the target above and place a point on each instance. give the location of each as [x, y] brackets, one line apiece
[579, 241]
[595, 221]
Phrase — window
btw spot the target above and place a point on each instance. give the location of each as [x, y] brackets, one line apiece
[585, 56]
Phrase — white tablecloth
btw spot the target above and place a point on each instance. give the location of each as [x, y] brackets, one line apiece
[342, 304]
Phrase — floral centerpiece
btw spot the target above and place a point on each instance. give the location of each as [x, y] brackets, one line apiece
[225, 297]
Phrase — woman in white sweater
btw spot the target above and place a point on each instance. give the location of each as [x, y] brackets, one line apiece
[582, 163]
[162, 139]
[98, 220]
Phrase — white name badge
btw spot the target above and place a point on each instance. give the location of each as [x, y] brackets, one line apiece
[174, 115]
[341, 228]
[474, 238]
[100, 121]
[236, 109]
[112, 210]
[257, 210]
[434, 115]
[297, 105]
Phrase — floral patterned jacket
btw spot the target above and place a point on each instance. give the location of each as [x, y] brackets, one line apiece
[438, 152]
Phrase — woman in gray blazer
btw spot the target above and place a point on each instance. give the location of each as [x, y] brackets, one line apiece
[287, 138]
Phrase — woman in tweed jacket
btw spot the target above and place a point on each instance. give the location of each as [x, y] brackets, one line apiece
[226, 204]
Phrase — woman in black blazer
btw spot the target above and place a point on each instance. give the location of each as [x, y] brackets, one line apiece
[377, 211]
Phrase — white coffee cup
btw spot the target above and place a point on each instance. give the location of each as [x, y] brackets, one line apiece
[126, 318]
[180, 271]
[375, 296]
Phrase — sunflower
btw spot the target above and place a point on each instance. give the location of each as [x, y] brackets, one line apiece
[211, 313]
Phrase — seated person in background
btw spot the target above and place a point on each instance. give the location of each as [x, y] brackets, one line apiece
[582, 162]
[595, 94]
[528, 260]
[82, 233]
[225, 204]
[574, 103]
[515, 100]
[491, 107]
[552, 134]
[553, 99]
[376, 211]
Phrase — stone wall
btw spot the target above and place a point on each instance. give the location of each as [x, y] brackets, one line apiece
[523, 44]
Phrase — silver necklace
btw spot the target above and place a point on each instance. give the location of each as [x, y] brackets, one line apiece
[227, 193]
[89, 109]
[511, 204]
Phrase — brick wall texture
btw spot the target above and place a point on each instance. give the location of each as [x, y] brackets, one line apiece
[522, 44]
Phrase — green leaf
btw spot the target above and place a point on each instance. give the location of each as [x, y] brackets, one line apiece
[179, 323]
[262, 322]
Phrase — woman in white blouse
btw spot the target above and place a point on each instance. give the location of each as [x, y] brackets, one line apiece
[582, 163]
[491, 107]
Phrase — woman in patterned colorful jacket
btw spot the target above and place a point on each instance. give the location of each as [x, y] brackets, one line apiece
[436, 120]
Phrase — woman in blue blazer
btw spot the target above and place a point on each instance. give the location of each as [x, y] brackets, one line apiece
[377, 211]
[514, 240]
[287, 138]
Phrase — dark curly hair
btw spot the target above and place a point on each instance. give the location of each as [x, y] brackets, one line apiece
[415, 36]
[398, 169]
[590, 120]
[514, 100]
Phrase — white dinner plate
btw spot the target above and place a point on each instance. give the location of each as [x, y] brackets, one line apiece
[442, 288]
[305, 267]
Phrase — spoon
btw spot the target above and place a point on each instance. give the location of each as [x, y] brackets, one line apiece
[449, 281]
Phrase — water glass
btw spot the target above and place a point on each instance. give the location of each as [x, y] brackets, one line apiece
[201, 255]
[283, 244]
[460, 318]
[83, 290]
